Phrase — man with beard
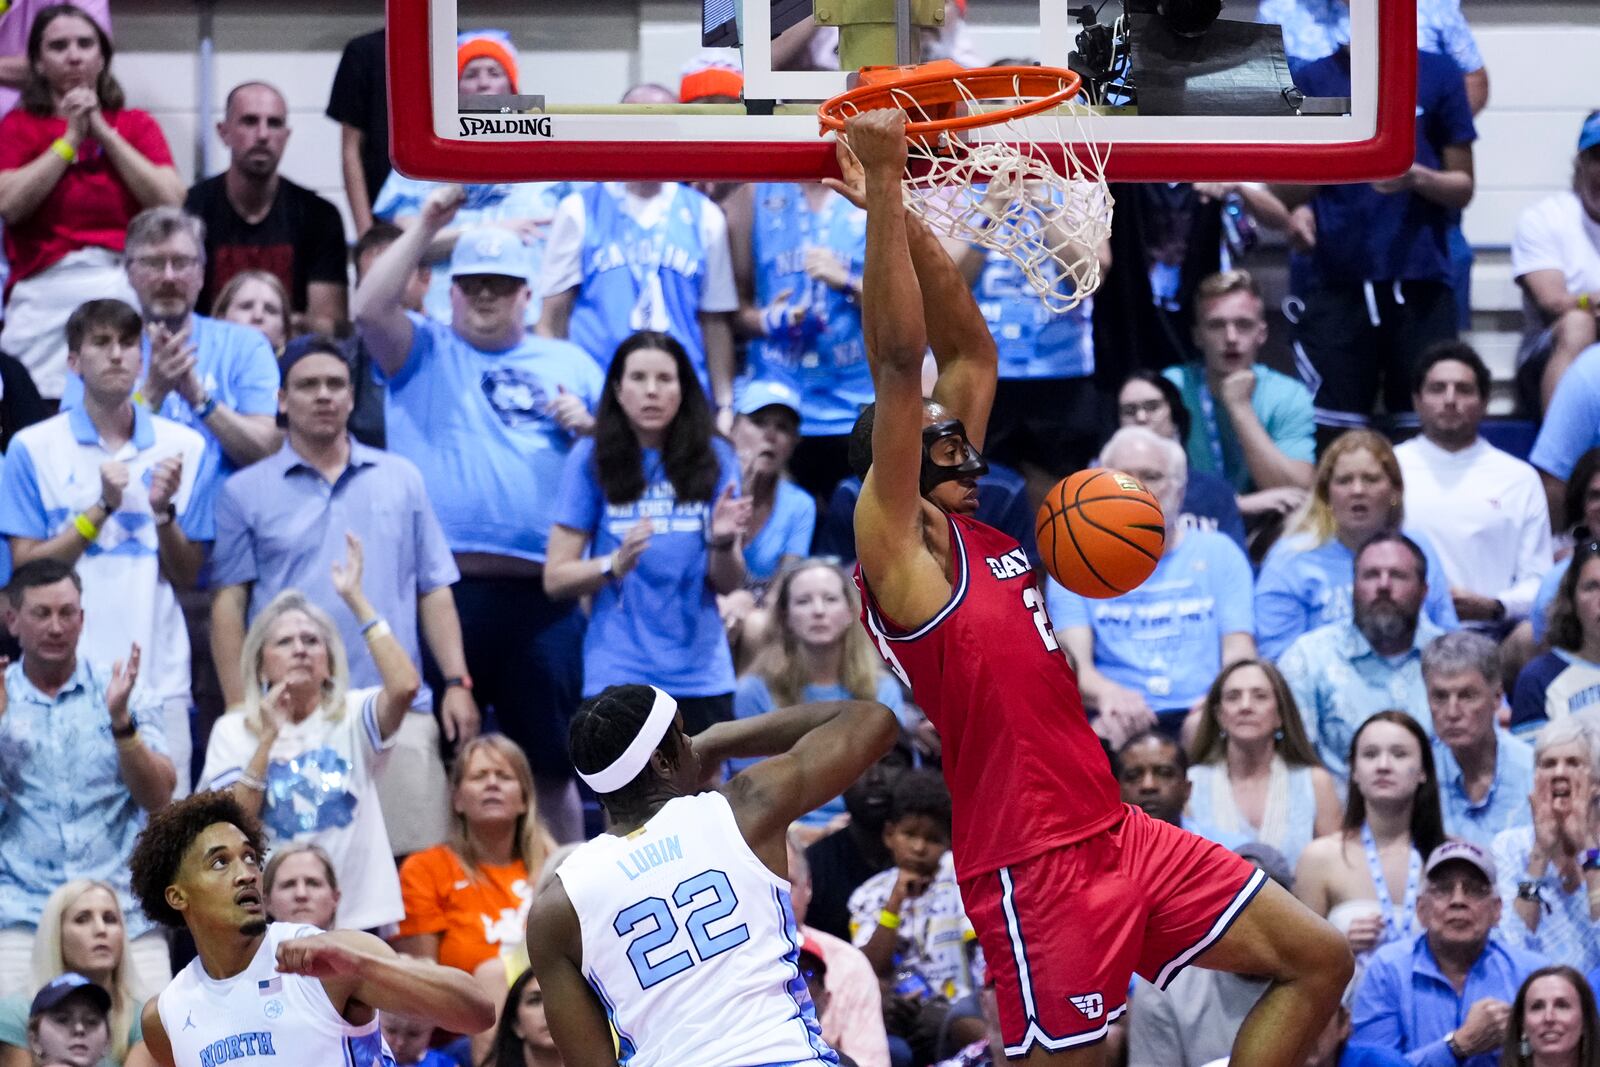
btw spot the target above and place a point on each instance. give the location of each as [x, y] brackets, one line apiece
[256, 219]
[1345, 671]
[849, 856]
[287, 990]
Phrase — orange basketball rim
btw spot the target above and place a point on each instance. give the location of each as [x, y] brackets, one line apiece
[938, 89]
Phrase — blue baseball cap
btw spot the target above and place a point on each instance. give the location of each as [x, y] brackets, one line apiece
[761, 394]
[67, 985]
[491, 250]
[1589, 136]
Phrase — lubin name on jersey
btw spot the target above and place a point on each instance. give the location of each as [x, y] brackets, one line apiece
[652, 855]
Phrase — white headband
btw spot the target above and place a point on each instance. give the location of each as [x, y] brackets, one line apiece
[626, 767]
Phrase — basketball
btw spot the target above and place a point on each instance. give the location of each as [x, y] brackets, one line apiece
[1100, 532]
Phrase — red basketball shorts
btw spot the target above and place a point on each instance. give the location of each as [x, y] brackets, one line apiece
[1063, 932]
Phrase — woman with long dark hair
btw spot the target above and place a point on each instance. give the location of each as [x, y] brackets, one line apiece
[1365, 877]
[76, 165]
[649, 522]
[1253, 771]
[522, 1038]
[1553, 1022]
[1563, 680]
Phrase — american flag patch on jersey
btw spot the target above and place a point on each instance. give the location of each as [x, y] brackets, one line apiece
[268, 986]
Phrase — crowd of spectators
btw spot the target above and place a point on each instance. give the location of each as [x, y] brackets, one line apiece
[350, 530]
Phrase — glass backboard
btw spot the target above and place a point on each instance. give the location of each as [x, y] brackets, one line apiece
[1222, 104]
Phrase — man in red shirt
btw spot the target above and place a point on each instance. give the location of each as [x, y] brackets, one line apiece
[1070, 890]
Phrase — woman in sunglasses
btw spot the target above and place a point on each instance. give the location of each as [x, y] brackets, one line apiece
[1565, 680]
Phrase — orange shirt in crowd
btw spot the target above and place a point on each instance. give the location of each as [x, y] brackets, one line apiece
[474, 916]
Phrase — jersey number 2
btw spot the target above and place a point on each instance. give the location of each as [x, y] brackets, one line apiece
[708, 897]
[1033, 600]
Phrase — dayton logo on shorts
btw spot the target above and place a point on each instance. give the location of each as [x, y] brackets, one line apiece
[1091, 1004]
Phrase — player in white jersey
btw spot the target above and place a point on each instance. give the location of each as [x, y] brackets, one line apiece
[283, 993]
[675, 927]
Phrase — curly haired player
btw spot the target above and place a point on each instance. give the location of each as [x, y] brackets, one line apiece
[1070, 890]
[283, 990]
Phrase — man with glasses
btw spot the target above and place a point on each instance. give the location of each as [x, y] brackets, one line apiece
[217, 377]
[1444, 997]
[1251, 425]
[489, 413]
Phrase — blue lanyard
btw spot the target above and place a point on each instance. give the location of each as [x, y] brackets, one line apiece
[1208, 410]
[1393, 931]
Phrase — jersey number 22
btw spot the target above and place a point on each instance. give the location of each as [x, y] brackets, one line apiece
[653, 924]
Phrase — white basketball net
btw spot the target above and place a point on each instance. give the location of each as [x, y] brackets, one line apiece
[995, 187]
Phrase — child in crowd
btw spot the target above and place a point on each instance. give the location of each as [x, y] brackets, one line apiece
[909, 922]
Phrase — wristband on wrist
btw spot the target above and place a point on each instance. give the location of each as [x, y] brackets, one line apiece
[61, 147]
[1584, 302]
[375, 629]
[608, 564]
[207, 405]
[459, 681]
[167, 515]
[722, 543]
[888, 919]
[1455, 1049]
[85, 527]
[123, 733]
[250, 781]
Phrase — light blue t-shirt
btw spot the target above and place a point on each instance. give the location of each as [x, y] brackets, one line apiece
[236, 366]
[1164, 639]
[1031, 340]
[1572, 425]
[787, 532]
[477, 425]
[826, 358]
[658, 624]
[1549, 586]
[752, 697]
[1301, 588]
[402, 197]
[1281, 403]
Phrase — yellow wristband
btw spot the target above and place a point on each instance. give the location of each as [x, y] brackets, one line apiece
[61, 148]
[86, 529]
[1584, 303]
[889, 919]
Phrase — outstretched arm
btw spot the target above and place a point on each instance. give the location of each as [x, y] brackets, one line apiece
[889, 512]
[817, 751]
[354, 965]
[962, 345]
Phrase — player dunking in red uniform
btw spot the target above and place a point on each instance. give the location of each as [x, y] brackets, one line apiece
[1070, 890]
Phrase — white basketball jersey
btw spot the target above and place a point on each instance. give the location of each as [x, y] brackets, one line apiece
[689, 941]
[262, 1017]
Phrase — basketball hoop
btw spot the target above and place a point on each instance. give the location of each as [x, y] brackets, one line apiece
[975, 173]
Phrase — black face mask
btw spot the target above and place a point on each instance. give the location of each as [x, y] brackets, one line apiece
[936, 474]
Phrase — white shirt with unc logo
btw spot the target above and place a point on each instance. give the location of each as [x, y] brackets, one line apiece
[690, 942]
[262, 1017]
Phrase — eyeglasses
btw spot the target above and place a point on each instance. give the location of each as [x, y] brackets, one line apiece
[1141, 407]
[495, 284]
[1472, 888]
[159, 264]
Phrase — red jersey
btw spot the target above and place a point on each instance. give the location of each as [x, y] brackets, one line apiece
[1026, 773]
